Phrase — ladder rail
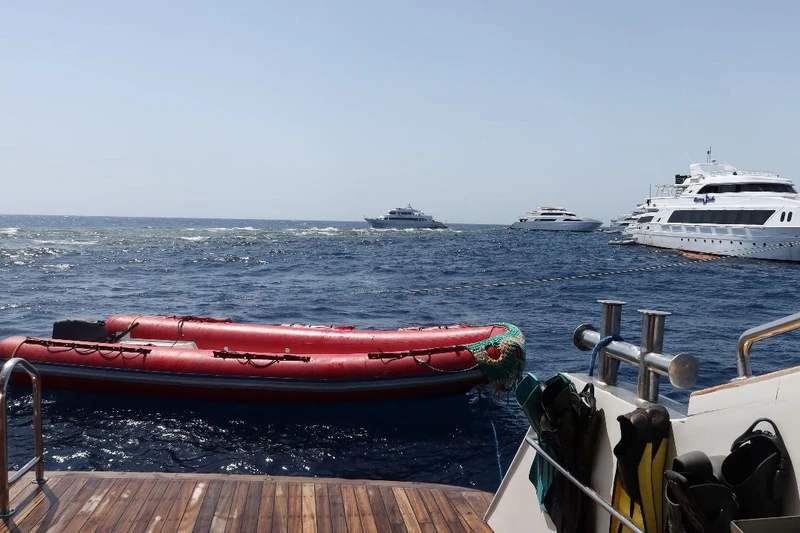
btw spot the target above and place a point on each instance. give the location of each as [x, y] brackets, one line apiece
[16, 364]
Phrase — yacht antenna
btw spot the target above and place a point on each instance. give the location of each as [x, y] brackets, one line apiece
[708, 155]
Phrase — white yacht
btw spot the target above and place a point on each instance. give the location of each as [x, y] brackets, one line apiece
[725, 211]
[555, 219]
[405, 218]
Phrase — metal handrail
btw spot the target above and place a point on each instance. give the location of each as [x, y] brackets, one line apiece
[38, 460]
[753, 335]
[681, 369]
[586, 490]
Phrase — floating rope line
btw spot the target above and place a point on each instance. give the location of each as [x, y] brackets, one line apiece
[705, 259]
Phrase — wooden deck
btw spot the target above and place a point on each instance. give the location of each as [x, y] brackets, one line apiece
[153, 502]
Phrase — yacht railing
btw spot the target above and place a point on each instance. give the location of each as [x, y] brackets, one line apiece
[763, 173]
[681, 369]
[38, 459]
[599, 500]
[758, 333]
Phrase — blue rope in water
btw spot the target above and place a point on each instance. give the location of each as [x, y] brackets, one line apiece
[497, 449]
[602, 343]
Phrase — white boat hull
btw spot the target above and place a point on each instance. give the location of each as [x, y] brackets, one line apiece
[757, 243]
[404, 224]
[582, 226]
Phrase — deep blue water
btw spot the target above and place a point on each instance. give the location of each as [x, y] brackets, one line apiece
[343, 273]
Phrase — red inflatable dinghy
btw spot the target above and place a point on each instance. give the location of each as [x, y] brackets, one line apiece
[217, 359]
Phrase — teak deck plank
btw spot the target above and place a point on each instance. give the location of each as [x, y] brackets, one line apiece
[137, 500]
[378, 508]
[238, 508]
[295, 516]
[323, 508]
[222, 511]
[309, 509]
[338, 521]
[351, 509]
[266, 504]
[392, 509]
[154, 514]
[406, 511]
[365, 510]
[280, 510]
[166, 503]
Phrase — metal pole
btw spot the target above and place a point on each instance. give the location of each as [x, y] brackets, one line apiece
[753, 335]
[586, 490]
[38, 460]
[611, 315]
[4, 506]
[652, 342]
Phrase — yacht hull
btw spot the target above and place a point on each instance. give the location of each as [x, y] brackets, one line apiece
[765, 243]
[403, 224]
[582, 226]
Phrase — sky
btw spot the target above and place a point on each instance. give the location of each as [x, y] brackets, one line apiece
[473, 111]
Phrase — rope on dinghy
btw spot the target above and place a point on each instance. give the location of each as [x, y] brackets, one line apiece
[506, 371]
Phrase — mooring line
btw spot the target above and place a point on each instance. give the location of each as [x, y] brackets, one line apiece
[651, 268]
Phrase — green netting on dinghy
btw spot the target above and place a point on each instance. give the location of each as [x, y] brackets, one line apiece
[506, 371]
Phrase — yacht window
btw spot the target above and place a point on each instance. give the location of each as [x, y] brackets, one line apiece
[645, 219]
[753, 217]
[544, 220]
[747, 187]
[783, 216]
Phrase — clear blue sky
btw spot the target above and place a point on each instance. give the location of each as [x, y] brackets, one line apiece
[472, 111]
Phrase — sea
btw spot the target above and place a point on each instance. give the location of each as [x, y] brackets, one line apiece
[344, 273]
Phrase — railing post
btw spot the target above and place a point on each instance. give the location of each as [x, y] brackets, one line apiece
[611, 315]
[652, 342]
[38, 460]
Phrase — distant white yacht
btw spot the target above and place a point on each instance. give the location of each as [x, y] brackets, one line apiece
[405, 218]
[555, 219]
[722, 210]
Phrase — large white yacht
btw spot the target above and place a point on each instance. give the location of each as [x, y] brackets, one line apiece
[405, 218]
[725, 211]
[555, 219]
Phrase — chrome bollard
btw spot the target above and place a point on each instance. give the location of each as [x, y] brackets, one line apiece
[611, 315]
[652, 343]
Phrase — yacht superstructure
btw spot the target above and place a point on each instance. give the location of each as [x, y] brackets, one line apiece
[726, 211]
[555, 219]
[405, 218]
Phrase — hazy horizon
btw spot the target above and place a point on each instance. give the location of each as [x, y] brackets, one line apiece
[474, 113]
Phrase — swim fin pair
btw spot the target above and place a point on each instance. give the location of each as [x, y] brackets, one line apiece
[567, 424]
[529, 398]
[638, 482]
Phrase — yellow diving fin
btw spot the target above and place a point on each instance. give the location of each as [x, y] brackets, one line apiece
[638, 482]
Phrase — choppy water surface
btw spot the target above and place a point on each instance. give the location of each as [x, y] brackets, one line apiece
[343, 273]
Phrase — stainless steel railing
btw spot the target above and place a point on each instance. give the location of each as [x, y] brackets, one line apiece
[607, 507]
[681, 369]
[753, 335]
[38, 460]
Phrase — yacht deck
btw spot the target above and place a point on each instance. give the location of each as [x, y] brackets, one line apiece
[157, 502]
